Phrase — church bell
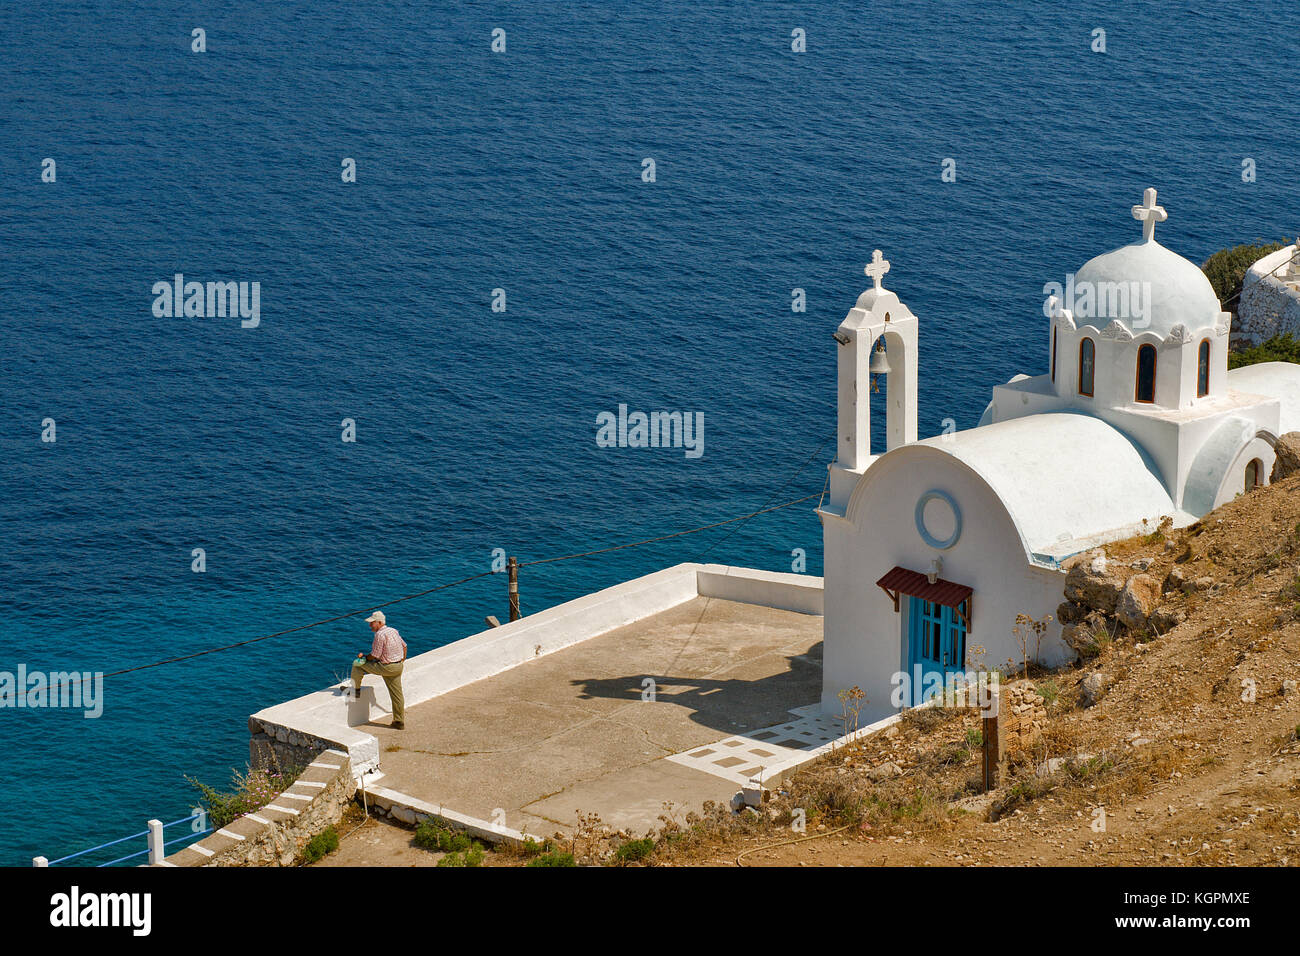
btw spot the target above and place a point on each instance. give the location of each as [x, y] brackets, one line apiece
[879, 365]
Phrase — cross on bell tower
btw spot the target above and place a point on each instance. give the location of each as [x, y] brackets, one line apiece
[877, 268]
[1148, 213]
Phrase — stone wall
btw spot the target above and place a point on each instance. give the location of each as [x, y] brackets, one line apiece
[271, 746]
[1269, 304]
[276, 834]
[1022, 716]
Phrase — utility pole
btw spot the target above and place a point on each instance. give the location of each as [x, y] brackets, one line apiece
[512, 567]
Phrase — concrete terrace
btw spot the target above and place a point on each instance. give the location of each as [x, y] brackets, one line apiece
[570, 731]
[544, 717]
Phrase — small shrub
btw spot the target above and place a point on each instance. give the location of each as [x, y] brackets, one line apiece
[426, 835]
[925, 719]
[1280, 348]
[1028, 632]
[897, 803]
[472, 856]
[251, 791]
[1227, 268]
[433, 834]
[634, 850]
[835, 797]
[851, 702]
[532, 848]
[1022, 791]
[1093, 766]
[553, 858]
[321, 845]
[1049, 692]
[974, 738]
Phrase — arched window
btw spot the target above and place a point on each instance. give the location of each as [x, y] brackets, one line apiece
[1146, 374]
[1203, 370]
[1053, 355]
[1087, 359]
[1254, 474]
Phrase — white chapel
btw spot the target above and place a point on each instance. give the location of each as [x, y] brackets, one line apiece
[935, 546]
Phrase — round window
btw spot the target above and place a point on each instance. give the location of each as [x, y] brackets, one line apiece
[938, 519]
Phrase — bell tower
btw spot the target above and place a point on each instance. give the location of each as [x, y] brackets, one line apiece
[875, 342]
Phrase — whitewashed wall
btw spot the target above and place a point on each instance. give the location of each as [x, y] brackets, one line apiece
[865, 638]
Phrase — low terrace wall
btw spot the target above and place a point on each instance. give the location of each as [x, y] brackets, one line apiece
[320, 719]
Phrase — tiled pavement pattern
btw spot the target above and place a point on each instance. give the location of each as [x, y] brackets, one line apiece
[745, 755]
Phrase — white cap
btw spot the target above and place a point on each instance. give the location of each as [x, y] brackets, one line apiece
[377, 616]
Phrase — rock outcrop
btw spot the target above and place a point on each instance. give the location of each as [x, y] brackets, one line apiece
[1102, 595]
[1164, 619]
[1287, 462]
[1139, 597]
[1093, 688]
[1092, 581]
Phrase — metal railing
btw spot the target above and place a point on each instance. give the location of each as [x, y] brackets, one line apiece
[156, 844]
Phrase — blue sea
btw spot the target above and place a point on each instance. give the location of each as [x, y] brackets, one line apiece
[522, 171]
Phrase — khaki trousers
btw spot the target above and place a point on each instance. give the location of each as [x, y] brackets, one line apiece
[392, 675]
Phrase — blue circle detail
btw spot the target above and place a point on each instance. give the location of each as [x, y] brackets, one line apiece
[931, 540]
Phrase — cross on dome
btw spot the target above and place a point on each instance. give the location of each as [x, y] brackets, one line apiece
[877, 268]
[1149, 214]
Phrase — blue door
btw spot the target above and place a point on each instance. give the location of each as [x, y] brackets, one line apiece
[936, 644]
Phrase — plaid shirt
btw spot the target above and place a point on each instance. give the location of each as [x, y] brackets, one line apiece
[388, 648]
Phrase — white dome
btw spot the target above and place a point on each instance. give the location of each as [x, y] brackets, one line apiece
[1147, 287]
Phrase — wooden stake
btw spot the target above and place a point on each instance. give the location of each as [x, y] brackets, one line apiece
[990, 752]
[512, 566]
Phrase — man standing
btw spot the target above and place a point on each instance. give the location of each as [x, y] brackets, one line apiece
[386, 657]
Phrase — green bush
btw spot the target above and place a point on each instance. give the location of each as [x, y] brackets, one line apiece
[1280, 348]
[321, 845]
[1049, 692]
[427, 835]
[473, 856]
[433, 834]
[532, 848]
[251, 791]
[553, 858]
[1227, 267]
[634, 850]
